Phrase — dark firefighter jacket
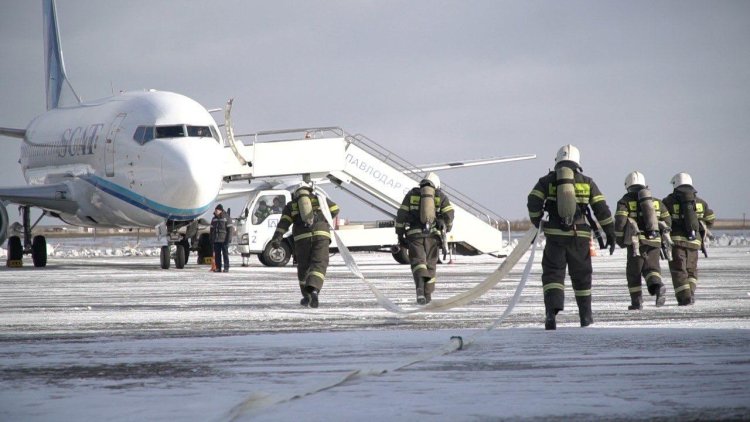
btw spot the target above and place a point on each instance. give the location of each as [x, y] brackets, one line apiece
[408, 219]
[543, 197]
[679, 231]
[300, 230]
[627, 207]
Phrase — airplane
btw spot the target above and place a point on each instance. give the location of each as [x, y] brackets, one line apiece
[143, 159]
[134, 160]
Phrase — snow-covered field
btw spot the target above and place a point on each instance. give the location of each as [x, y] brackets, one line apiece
[116, 338]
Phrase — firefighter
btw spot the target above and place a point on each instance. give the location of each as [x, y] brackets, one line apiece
[566, 194]
[691, 219]
[425, 215]
[639, 221]
[312, 235]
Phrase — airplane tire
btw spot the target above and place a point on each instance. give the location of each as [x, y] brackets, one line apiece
[39, 251]
[179, 257]
[164, 257]
[276, 257]
[186, 246]
[402, 256]
[15, 249]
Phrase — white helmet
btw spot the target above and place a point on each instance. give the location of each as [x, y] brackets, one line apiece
[680, 179]
[568, 153]
[433, 179]
[635, 178]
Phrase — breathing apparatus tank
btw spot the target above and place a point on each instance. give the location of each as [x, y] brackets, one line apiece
[650, 219]
[566, 195]
[304, 203]
[685, 195]
[427, 188]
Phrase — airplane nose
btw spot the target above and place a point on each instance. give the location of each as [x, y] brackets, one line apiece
[191, 175]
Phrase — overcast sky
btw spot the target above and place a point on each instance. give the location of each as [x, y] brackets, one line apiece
[655, 86]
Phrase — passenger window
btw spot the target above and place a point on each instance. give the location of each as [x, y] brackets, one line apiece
[176, 131]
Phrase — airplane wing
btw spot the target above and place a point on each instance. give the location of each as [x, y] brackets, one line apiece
[13, 133]
[473, 163]
[48, 197]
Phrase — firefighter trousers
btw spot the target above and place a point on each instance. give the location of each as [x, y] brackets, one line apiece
[572, 252]
[312, 262]
[645, 265]
[423, 257]
[684, 270]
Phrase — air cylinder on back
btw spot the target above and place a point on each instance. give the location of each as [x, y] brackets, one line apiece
[566, 195]
[650, 219]
[427, 213]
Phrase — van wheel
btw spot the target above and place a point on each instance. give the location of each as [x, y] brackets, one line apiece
[276, 257]
[402, 256]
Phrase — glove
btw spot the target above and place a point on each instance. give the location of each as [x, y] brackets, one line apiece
[611, 243]
[535, 222]
[275, 243]
[448, 228]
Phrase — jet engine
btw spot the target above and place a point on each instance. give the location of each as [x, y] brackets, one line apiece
[3, 223]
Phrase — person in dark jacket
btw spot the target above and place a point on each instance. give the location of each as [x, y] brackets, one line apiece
[219, 235]
[640, 220]
[312, 236]
[691, 219]
[425, 214]
[566, 194]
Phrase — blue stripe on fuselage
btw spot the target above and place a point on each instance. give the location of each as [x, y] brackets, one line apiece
[144, 203]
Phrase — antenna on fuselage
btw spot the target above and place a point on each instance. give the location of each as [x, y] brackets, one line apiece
[58, 87]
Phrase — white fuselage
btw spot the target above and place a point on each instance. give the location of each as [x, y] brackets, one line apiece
[132, 160]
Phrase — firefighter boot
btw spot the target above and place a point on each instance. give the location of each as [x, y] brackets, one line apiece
[313, 297]
[661, 295]
[549, 318]
[421, 299]
[636, 300]
[584, 310]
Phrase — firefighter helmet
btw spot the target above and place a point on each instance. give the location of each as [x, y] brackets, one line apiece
[635, 178]
[568, 153]
[681, 179]
[432, 179]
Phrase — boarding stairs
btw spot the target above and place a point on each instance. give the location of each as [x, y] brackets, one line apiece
[380, 176]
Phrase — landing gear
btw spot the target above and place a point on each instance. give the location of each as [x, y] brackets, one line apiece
[36, 247]
[180, 256]
[164, 257]
[39, 251]
[15, 252]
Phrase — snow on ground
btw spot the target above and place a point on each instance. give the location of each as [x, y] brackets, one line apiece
[116, 338]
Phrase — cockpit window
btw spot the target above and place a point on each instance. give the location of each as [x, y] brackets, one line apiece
[176, 131]
[199, 131]
[215, 134]
[143, 134]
